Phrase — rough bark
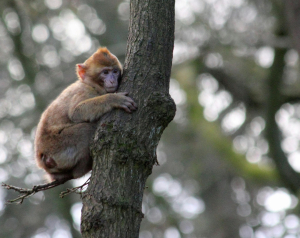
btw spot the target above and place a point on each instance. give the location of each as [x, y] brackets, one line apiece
[124, 147]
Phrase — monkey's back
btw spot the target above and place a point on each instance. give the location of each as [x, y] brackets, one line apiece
[55, 130]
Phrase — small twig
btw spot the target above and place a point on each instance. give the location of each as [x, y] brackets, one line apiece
[29, 192]
[37, 188]
[75, 189]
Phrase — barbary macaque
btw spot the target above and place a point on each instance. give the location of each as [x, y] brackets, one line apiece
[66, 127]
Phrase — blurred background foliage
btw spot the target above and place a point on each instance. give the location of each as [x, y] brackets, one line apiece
[230, 160]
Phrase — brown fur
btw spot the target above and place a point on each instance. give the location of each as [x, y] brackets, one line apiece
[68, 124]
[101, 58]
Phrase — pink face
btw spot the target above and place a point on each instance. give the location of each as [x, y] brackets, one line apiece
[109, 76]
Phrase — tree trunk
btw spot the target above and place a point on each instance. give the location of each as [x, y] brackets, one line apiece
[292, 12]
[124, 147]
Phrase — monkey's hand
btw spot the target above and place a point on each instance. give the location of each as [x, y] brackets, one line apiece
[93, 108]
[124, 102]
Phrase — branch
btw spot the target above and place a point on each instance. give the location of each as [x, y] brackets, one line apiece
[29, 192]
[237, 89]
[42, 187]
[272, 132]
[292, 9]
[291, 99]
[75, 189]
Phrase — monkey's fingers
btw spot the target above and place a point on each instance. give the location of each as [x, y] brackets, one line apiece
[130, 106]
[133, 104]
[125, 108]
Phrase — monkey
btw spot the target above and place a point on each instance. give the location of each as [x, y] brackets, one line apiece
[66, 127]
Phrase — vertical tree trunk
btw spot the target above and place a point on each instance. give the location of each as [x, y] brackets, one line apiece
[292, 12]
[124, 148]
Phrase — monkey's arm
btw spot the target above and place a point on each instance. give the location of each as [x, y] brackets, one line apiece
[93, 108]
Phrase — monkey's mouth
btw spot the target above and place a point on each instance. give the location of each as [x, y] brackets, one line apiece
[111, 89]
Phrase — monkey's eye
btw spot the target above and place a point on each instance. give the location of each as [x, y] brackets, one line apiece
[115, 71]
[105, 71]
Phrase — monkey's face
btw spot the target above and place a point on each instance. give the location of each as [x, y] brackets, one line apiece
[102, 71]
[109, 77]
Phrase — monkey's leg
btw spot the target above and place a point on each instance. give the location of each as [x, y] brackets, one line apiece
[82, 167]
[71, 158]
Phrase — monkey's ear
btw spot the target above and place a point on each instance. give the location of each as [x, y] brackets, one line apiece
[81, 70]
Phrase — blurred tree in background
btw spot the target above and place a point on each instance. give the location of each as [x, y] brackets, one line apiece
[229, 162]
